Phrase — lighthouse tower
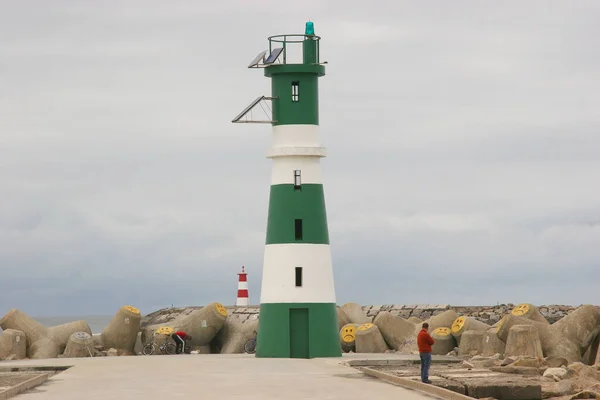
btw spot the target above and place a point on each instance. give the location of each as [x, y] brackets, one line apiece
[242, 294]
[298, 316]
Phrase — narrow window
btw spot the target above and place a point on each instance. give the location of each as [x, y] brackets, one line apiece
[295, 85]
[298, 276]
[297, 181]
[298, 228]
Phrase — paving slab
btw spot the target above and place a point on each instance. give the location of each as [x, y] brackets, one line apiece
[211, 376]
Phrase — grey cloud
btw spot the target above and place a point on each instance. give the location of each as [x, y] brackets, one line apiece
[461, 145]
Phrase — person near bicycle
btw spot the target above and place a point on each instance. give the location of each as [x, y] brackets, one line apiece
[179, 338]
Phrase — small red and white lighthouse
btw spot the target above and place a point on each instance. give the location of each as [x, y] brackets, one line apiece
[242, 296]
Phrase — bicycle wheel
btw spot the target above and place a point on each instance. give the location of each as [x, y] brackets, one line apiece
[170, 348]
[148, 349]
[250, 346]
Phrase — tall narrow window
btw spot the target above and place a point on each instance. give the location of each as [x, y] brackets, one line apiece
[295, 95]
[298, 228]
[298, 276]
[297, 180]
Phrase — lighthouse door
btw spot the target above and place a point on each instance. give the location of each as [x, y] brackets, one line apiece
[299, 333]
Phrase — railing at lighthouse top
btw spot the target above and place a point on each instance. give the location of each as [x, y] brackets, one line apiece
[289, 41]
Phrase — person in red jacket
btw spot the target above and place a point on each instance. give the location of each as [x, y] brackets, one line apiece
[180, 337]
[425, 341]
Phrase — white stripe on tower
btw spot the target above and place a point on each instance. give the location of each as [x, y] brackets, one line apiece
[278, 284]
[296, 147]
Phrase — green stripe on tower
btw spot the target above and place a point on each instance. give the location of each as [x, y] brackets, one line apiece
[303, 108]
[318, 325]
[288, 204]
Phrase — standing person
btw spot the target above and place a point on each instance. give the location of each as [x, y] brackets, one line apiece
[180, 337]
[425, 341]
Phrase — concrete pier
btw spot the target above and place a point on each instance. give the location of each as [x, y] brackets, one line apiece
[218, 376]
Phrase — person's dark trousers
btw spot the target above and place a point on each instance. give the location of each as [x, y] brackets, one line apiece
[178, 343]
[425, 364]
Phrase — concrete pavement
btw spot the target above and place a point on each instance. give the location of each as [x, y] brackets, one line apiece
[216, 376]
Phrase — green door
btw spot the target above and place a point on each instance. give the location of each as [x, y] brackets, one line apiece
[299, 333]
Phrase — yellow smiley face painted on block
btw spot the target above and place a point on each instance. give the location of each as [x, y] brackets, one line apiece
[442, 331]
[165, 330]
[348, 333]
[132, 309]
[458, 324]
[521, 309]
[364, 327]
[221, 310]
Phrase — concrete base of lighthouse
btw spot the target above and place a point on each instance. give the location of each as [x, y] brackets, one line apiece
[298, 330]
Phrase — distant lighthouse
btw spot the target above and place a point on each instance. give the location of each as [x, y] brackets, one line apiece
[242, 294]
[298, 316]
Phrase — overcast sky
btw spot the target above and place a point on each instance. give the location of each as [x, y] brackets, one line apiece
[463, 142]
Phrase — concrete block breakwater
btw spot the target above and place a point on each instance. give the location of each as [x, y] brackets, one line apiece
[486, 314]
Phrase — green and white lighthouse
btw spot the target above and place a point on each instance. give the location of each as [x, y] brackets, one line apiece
[298, 316]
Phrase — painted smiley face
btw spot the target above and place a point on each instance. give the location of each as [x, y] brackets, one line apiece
[442, 331]
[164, 330]
[458, 324]
[221, 310]
[521, 309]
[132, 309]
[365, 327]
[348, 333]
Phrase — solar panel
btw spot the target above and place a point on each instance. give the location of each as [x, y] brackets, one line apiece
[273, 56]
[255, 102]
[257, 59]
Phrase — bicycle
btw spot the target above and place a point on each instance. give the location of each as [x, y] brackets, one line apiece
[165, 348]
[250, 346]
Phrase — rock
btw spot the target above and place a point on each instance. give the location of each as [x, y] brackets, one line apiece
[121, 332]
[343, 318]
[13, 345]
[556, 373]
[586, 394]
[355, 313]
[470, 343]
[523, 340]
[415, 320]
[581, 370]
[491, 344]
[43, 348]
[527, 362]
[509, 369]
[80, 344]
[529, 311]
[444, 342]
[506, 390]
[112, 352]
[555, 362]
[557, 389]
[369, 339]
[567, 338]
[202, 324]
[236, 335]
[441, 320]
[463, 324]
[507, 361]
[138, 347]
[395, 330]
[62, 333]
